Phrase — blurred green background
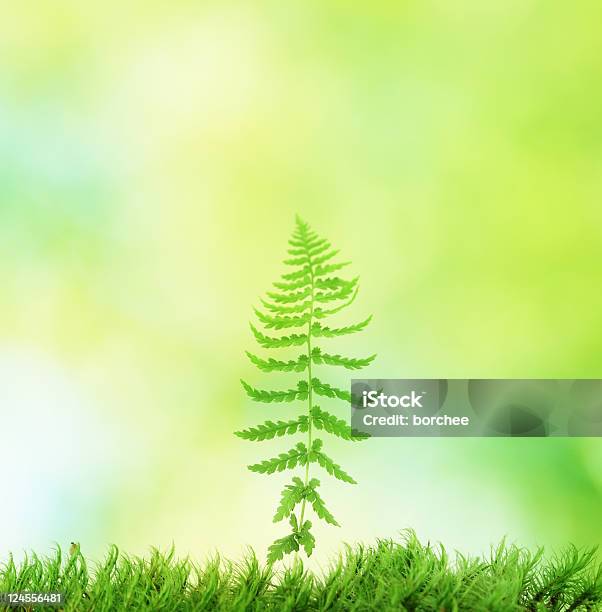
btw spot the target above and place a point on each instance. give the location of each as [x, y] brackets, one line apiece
[152, 158]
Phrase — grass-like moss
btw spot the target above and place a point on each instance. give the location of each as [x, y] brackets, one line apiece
[389, 575]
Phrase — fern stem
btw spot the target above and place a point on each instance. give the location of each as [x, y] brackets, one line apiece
[309, 385]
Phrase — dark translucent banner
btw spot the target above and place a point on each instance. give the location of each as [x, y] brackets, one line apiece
[476, 407]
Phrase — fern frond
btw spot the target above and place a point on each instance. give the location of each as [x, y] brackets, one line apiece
[327, 390]
[341, 292]
[319, 247]
[317, 503]
[296, 261]
[306, 539]
[271, 365]
[276, 322]
[325, 270]
[290, 497]
[302, 232]
[291, 276]
[289, 460]
[301, 225]
[334, 469]
[305, 234]
[285, 310]
[267, 397]
[320, 313]
[333, 282]
[271, 429]
[319, 331]
[301, 536]
[307, 240]
[289, 298]
[301, 237]
[295, 493]
[335, 426]
[311, 248]
[281, 547]
[318, 357]
[304, 244]
[324, 258]
[299, 301]
[283, 341]
[332, 296]
[292, 286]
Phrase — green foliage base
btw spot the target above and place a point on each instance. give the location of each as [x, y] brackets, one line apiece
[390, 575]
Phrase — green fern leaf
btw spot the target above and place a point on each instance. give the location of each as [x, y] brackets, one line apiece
[319, 331]
[320, 313]
[293, 286]
[268, 397]
[271, 365]
[289, 460]
[303, 232]
[290, 497]
[312, 245]
[289, 298]
[331, 296]
[306, 539]
[334, 282]
[297, 274]
[335, 426]
[327, 390]
[326, 270]
[319, 247]
[334, 469]
[283, 341]
[324, 258]
[296, 261]
[271, 429]
[285, 310]
[317, 503]
[281, 547]
[281, 322]
[351, 364]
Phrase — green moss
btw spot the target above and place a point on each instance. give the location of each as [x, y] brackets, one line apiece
[389, 575]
